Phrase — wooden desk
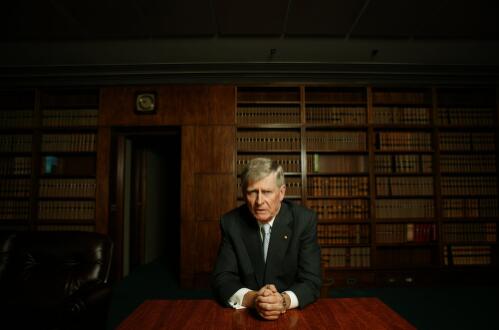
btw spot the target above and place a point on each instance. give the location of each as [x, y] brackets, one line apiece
[345, 313]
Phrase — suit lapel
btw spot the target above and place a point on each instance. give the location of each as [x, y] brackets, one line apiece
[279, 240]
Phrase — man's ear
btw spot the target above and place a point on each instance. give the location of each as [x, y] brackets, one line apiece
[282, 192]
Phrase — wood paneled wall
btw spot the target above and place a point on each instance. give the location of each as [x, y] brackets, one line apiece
[206, 115]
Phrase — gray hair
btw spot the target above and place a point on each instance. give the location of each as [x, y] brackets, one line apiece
[259, 168]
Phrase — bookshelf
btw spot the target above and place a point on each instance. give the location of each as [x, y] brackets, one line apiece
[337, 177]
[269, 125]
[405, 215]
[48, 159]
[403, 179]
[467, 129]
[17, 119]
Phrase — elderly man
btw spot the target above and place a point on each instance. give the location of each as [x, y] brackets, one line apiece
[269, 258]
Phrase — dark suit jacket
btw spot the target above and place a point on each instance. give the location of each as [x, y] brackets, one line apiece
[293, 257]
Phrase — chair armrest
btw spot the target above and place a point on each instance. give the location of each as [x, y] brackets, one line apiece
[88, 307]
[88, 297]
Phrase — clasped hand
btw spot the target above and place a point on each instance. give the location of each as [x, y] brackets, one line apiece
[269, 303]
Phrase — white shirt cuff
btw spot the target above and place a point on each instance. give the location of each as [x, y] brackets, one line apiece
[236, 301]
[294, 299]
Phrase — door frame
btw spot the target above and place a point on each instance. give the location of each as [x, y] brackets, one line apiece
[119, 137]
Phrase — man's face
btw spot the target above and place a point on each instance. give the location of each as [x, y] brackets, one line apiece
[264, 198]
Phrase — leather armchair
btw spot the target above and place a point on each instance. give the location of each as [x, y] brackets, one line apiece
[54, 280]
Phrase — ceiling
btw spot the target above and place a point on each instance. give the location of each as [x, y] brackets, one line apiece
[161, 41]
[47, 20]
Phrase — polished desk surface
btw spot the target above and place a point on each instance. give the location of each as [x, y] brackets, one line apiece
[344, 313]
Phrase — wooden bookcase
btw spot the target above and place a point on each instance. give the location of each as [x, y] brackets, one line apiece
[467, 144]
[48, 159]
[17, 121]
[403, 180]
[269, 125]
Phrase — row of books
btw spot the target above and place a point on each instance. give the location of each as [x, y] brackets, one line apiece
[396, 257]
[289, 163]
[470, 185]
[463, 141]
[404, 186]
[70, 117]
[16, 118]
[15, 187]
[268, 140]
[293, 186]
[406, 232]
[466, 116]
[14, 209]
[408, 163]
[356, 141]
[467, 255]
[315, 114]
[408, 141]
[474, 163]
[470, 208]
[318, 186]
[15, 166]
[68, 142]
[65, 227]
[346, 257]
[469, 232]
[404, 208]
[268, 114]
[328, 234]
[336, 141]
[321, 163]
[67, 188]
[401, 97]
[402, 115]
[336, 115]
[15, 143]
[339, 209]
[66, 210]
[318, 114]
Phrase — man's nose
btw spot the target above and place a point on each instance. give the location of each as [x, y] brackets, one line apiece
[259, 198]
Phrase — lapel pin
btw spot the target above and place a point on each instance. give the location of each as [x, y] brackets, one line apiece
[285, 236]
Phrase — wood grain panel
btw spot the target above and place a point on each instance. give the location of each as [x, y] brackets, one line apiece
[207, 242]
[206, 104]
[102, 178]
[214, 195]
[207, 190]
[187, 214]
[215, 149]
[188, 233]
[188, 169]
[176, 105]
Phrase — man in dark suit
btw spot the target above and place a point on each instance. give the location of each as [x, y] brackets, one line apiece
[269, 258]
